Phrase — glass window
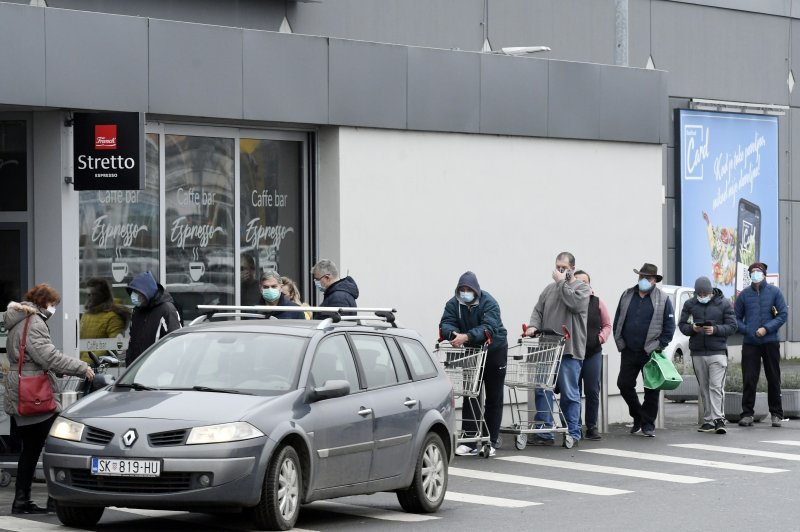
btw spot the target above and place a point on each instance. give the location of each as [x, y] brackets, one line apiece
[375, 360]
[334, 361]
[399, 364]
[271, 203]
[199, 220]
[418, 357]
[13, 166]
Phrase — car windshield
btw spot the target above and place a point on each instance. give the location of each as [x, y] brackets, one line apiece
[237, 362]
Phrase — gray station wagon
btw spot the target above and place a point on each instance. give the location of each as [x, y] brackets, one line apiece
[260, 415]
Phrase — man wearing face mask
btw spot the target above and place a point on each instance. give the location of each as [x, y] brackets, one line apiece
[271, 296]
[470, 318]
[644, 322]
[154, 314]
[707, 319]
[341, 293]
[760, 311]
[564, 303]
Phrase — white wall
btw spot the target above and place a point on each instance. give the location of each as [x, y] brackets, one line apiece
[418, 209]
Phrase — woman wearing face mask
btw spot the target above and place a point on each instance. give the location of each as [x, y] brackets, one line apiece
[271, 296]
[708, 319]
[28, 319]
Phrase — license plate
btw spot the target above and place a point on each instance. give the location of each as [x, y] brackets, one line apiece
[125, 467]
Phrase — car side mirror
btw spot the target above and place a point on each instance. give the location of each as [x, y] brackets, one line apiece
[330, 390]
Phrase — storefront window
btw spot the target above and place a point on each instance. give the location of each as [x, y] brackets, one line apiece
[199, 220]
[13, 166]
[270, 211]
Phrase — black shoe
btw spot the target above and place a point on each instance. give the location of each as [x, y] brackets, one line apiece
[719, 426]
[706, 427]
[24, 505]
[649, 431]
[592, 434]
[538, 440]
[636, 427]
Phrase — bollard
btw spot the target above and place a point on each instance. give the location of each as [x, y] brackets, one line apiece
[604, 395]
[660, 415]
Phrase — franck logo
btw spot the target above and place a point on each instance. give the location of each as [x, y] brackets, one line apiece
[105, 137]
[129, 437]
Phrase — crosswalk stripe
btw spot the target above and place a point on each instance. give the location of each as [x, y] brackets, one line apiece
[784, 442]
[488, 501]
[167, 514]
[681, 460]
[16, 524]
[609, 470]
[536, 482]
[371, 512]
[737, 450]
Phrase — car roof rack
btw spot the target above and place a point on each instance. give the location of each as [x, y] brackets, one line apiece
[332, 314]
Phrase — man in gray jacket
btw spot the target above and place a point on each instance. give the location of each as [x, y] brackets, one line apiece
[644, 322]
[563, 304]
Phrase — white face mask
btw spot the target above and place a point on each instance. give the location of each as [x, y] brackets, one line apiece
[51, 310]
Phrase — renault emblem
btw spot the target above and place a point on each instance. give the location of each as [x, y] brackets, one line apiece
[129, 437]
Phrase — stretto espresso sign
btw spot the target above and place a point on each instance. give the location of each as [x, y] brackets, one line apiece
[108, 151]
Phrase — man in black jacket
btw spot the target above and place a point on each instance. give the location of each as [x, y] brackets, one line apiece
[708, 319]
[338, 292]
[154, 314]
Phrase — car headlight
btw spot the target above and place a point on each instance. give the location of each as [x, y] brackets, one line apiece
[225, 432]
[66, 429]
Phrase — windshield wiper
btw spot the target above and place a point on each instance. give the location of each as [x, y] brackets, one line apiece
[219, 390]
[136, 386]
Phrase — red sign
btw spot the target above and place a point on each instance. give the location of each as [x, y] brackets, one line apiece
[105, 137]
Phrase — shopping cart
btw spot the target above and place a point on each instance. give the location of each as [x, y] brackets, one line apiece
[464, 366]
[533, 365]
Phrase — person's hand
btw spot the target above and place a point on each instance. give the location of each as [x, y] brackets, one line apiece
[89, 374]
[708, 330]
[459, 340]
[697, 328]
[761, 332]
[530, 331]
[558, 276]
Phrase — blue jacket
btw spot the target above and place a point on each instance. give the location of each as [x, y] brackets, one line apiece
[754, 309]
[342, 293]
[719, 312]
[476, 320]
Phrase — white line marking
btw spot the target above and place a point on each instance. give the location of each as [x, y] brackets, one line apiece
[537, 482]
[682, 460]
[372, 512]
[784, 442]
[736, 450]
[172, 515]
[488, 501]
[592, 468]
[18, 524]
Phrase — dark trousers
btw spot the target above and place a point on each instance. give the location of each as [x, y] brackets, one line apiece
[494, 375]
[752, 355]
[629, 369]
[591, 373]
[32, 437]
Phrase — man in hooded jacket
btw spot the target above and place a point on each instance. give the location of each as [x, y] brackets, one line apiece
[339, 293]
[154, 314]
[470, 319]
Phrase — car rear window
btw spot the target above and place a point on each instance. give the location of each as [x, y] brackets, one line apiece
[418, 358]
[255, 363]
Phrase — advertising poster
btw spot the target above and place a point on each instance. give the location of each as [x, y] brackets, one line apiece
[729, 197]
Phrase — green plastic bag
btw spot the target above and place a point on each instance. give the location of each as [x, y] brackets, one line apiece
[660, 374]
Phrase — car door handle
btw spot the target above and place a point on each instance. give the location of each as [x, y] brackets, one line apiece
[364, 411]
[410, 402]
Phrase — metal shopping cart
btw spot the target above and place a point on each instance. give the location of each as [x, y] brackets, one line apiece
[533, 365]
[464, 366]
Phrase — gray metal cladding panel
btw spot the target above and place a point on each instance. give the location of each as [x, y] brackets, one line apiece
[784, 157]
[629, 100]
[674, 103]
[794, 97]
[451, 24]
[574, 100]
[195, 70]
[22, 56]
[670, 179]
[638, 33]
[791, 286]
[721, 54]
[576, 30]
[673, 221]
[794, 157]
[96, 61]
[443, 90]
[285, 77]
[513, 95]
[367, 84]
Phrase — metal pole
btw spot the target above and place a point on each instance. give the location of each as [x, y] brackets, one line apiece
[621, 27]
[604, 395]
[660, 416]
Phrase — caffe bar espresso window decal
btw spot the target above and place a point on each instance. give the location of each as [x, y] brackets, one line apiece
[107, 151]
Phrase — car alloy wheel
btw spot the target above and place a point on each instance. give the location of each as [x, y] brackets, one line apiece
[429, 485]
[281, 495]
[288, 489]
[433, 476]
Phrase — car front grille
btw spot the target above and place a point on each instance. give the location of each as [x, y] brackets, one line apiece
[98, 436]
[168, 482]
[173, 437]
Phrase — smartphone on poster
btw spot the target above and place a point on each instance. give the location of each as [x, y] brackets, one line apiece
[748, 246]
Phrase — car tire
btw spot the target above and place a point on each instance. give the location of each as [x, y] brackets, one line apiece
[427, 489]
[79, 516]
[281, 494]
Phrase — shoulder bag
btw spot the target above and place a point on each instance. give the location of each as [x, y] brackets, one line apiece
[35, 393]
[659, 373]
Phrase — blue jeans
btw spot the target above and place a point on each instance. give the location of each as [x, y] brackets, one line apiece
[570, 401]
[591, 373]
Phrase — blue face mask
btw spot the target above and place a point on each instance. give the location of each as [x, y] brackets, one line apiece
[644, 285]
[318, 285]
[757, 276]
[466, 296]
[135, 299]
[703, 300]
[271, 294]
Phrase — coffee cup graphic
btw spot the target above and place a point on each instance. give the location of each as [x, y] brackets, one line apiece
[119, 270]
[196, 270]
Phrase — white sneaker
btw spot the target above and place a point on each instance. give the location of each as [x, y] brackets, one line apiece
[464, 450]
[492, 452]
